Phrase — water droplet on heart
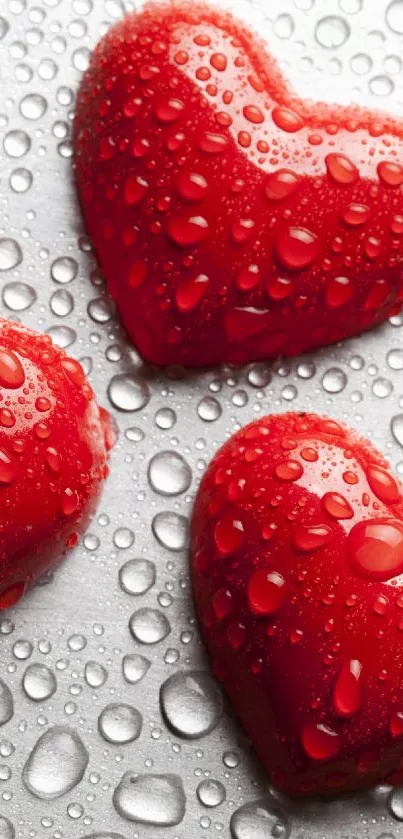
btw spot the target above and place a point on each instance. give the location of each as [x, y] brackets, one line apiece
[134, 668]
[168, 110]
[320, 742]
[149, 626]
[10, 254]
[297, 248]
[56, 763]
[253, 114]
[213, 143]
[192, 186]
[355, 215]
[64, 269]
[397, 428]
[209, 409]
[347, 690]
[189, 293]
[39, 683]
[286, 119]
[337, 506]
[191, 703]
[219, 61]
[332, 31]
[171, 530]
[8, 468]
[311, 537]
[137, 576]
[262, 819]
[128, 392]
[211, 793]
[374, 549]
[150, 799]
[248, 278]
[12, 374]
[396, 724]
[95, 674]
[186, 231]
[383, 485]
[6, 703]
[241, 230]
[394, 16]
[341, 169]
[391, 174]
[281, 184]
[169, 473]
[18, 296]
[120, 723]
[266, 592]
[229, 535]
[289, 470]
[339, 291]
[17, 143]
[334, 380]
[33, 106]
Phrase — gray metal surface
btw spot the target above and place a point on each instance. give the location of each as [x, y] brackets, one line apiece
[66, 652]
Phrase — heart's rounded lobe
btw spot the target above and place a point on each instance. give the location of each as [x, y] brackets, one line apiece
[297, 566]
[232, 220]
[53, 456]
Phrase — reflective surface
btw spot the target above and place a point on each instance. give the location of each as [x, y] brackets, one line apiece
[88, 745]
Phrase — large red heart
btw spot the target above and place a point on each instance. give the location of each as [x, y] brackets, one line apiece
[297, 562]
[232, 220]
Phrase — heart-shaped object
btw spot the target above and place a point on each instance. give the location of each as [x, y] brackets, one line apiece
[53, 456]
[297, 563]
[232, 220]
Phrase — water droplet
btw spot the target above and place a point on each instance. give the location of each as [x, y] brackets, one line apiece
[289, 470]
[149, 626]
[169, 473]
[120, 723]
[137, 576]
[281, 184]
[286, 119]
[4, 27]
[64, 269]
[266, 592]
[33, 106]
[209, 409]
[165, 418]
[397, 428]
[334, 380]
[339, 291]
[374, 549]
[382, 388]
[128, 392]
[18, 296]
[186, 231]
[151, 799]
[332, 31]
[283, 26]
[38, 682]
[297, 248]
[17, 143]
[135, 667]
[190, 293]
[62, 336]
[394, 359]
[390, 173]
[21, 180]
[56, 764]
[337, 506]
[95, 674]
[395, 804]
[263, 819]
[123, 538]
[320, 742]
[211, 793]
[10, 254]
[361, 63]
[62, 303]
[347, 691]
[170, 530]
[6, 703]
[394, 16]
[381, 85]
[341, 169]
[311, 537]
[191, 703]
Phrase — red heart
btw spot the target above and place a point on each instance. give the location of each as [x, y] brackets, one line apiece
[232, 220]
[297, 561]
[53, 456]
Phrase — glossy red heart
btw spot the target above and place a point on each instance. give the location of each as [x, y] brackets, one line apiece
[297, 563]
[53, 456]
[232, 220]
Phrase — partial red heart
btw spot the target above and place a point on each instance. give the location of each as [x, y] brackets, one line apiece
[297, 563]
[53, 456]
[232, 220]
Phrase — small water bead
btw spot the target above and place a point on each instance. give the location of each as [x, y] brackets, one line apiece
[100, 309]
[297, 248]
[319, 741]
[337, 506]
[39, 683]
[123, 538]
[394, 359]
[76, 643]
[262, 819]
[10, 254]
[165, 418]
[397, 428]
[33, 106]
[209, 409]
[381, 85]
[266, 592]
[114, 8]
[17, 143]
[347, 692]
[151, 799]
[21, 180]
[63, 336]
[171, 530]
[191, 703]
[95, 674]
[361, 63]
[62, 303]
[6, 703]
[169, 473]
[394, 16]
[18, 296]
[120, 723]
[382, 388]
[22, 649]
[128, 392]
[134, 668]
[211, 793]
[283, 26]
[395, 804]
[259, 375]
[149, 626]
[64, 269]
[374, 549]
[334, 380]
[332, 32]
[7, 830]
[137, 576]
[308, 538]
[56, 763]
